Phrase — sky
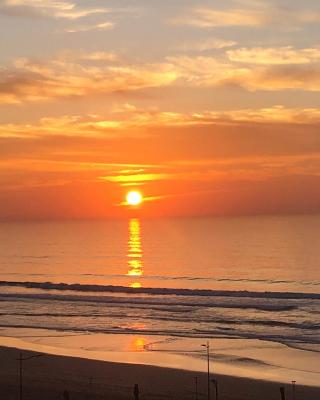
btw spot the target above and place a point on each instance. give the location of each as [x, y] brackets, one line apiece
[206, 107]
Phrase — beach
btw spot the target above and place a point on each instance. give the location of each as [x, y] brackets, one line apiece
[49, 376]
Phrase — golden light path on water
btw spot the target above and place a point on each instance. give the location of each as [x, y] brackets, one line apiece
[135, 270]
[135, 255]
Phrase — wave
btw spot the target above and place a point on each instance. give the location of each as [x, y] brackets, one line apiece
[225, 321]
[294, 341]
[172, 312]
[148, 302]
[177, 278]
[160, 291]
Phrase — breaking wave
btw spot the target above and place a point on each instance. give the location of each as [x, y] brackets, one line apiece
[159, 291]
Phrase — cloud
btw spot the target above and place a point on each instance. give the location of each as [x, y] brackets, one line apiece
[127, 118]
[211, 18]
[231, 169]
[204, 71]
[303, 77]
[206, 44]
[210, 72]
[132, 116]
[248, 14]
[32, 80]
[102, 26]
[135, 178]
[278, 114]
[74, 126]
[275, 56]
[165, 180]
[47, 9]
[98, 73]
[98, 56]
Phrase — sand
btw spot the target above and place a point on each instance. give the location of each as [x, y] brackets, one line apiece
[49, 376]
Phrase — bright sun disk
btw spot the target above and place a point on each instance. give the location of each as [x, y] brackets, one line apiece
[134, 198]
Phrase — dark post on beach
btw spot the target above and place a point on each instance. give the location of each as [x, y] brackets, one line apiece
[207, 345]
[293, 390]
[282, 393]
[21, 359]
[214, 381]
[196, 387]
[136, 392]
[20, 376]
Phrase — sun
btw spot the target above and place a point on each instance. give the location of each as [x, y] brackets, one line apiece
[134, 198]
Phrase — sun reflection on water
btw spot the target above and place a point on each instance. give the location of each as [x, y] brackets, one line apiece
[135, 285]
[135, 264]
[138, 344]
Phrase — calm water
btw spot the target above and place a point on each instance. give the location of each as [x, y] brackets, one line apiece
[254, 277]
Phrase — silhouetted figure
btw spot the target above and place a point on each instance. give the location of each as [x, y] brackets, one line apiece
[136, 392]
[282, 392]
[66, 395]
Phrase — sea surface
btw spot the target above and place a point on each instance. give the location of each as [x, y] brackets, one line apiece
[248, 277]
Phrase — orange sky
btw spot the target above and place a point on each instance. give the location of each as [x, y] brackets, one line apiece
[207, 108]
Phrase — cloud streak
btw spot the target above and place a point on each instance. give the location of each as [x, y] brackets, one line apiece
[47, 9]
[212, 18]
[101, 26]
[248, 14]
[99, 73]
[38, 81]
[208, 71]
[205, 45]
[275, 56]
[127, 118]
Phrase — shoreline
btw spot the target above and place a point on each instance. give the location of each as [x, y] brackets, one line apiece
[49, 375]
[249, 360]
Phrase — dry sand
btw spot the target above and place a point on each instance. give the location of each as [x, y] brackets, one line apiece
[46, 378]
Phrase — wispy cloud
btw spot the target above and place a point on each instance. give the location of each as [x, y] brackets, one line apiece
[43, 172]
[206, 44]
[275, 56]
[98, 56]
[135, 178]
[48, 9]
[246, 14]
[101, 26]
[211, 18]
[32, 80]
[132, 116]
[204, 71]
[98, 73]
[125, 119]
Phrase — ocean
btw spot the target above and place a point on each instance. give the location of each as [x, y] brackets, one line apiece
[192, 278]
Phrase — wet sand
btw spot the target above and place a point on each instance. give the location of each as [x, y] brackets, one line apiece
[49, 376]
[245, 358]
